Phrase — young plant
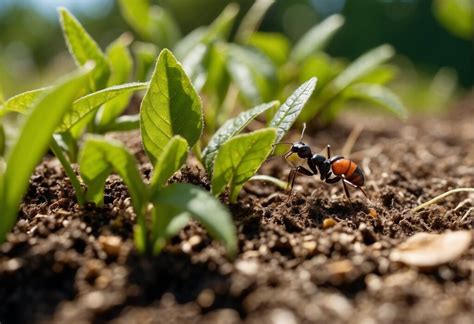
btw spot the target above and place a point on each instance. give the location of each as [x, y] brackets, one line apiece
[171, 121]
[34, 138]
[111, 69]
[233, 160]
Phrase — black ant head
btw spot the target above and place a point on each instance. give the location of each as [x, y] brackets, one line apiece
[303, 150]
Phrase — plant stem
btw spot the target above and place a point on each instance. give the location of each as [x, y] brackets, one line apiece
[69, 171]
[437, 198]
[277, 182]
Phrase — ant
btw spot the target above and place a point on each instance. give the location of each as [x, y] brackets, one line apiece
[343, 169]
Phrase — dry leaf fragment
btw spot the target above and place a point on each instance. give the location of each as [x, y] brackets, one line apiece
[429, 250]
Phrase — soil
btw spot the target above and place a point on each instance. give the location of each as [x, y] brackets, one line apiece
[312, 257]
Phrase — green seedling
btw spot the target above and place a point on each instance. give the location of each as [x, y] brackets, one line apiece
[34, 138]
[239, 157]
[171, 121]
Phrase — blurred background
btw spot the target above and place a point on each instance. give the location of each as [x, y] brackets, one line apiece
[433, 39]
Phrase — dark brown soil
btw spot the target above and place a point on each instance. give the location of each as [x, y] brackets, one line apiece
[64, 264]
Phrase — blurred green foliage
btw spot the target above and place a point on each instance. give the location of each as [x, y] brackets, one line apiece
[30, 44]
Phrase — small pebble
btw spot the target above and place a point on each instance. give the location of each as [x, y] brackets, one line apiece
[329, 222]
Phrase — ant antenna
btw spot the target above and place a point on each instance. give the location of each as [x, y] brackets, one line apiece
[302, 132]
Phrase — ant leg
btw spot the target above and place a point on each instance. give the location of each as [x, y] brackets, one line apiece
[328, 150]
[333, 180]
[292, 176]
[345, 190]
[357, 187]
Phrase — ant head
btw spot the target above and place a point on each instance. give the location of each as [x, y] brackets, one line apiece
[303, 150]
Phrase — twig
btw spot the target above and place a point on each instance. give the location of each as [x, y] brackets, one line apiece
[437, 198]
[467, 214]
[351, 139]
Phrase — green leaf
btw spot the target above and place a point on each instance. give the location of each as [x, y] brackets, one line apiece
[123, 123]
[378, 95]
[137, 16]
[253, 73]
[33, 141]
[222, 25]
[229, 129]
[145, 55]
[99, 158]
[316, 38]
[121, 63]
[83, 48]
[360, 67]
[290, 110]
[86, 105]
[153, 23]
[252, 20]
[219, 30]
[171, 106]
[457, 16]
[2, 146]
[239, 158]
[171, 160]
[166, 223]
[274, 45]
[22, 102]
[193, 65]
[203, 207]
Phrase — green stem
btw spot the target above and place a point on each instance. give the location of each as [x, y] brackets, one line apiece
[69, 171]
[437, 198]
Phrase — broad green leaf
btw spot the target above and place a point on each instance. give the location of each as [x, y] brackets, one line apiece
[123, 123]
[322, 65]
[378, 95]
[316, 38]
[218, 80]
[171, 160]
[252, 20]
[222, 25]
[165, 31]
[136, 13]
[83, 48]
[171, 106]
[33, 141]
[99, 158]
[121, 64]
[290, 110]
[457, 16]
[239, 158]
[193, 65]
[166, 222]
[153, 23]
[190, 41]
[253, 73]
[274, 45]
[218, 30]
[22, 102]
[203, 207]
[360, 67]
[229, 129]
[380, 75]
[145, 55]
[2, 146]
[86, 105]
